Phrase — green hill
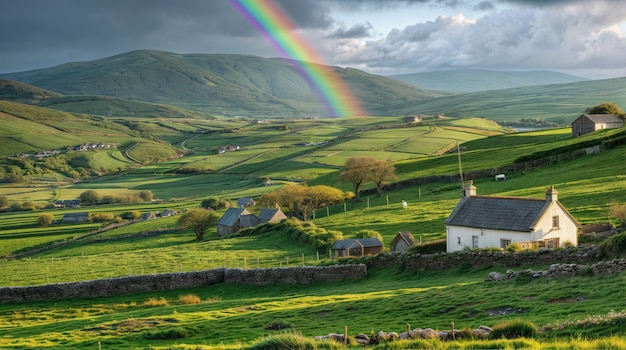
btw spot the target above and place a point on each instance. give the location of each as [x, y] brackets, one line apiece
[560, 103]
[94, 105]
[473, 80]
[228, 84]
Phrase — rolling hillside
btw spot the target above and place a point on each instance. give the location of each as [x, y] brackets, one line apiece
[560, 103]
[473, 80]
[228, 84]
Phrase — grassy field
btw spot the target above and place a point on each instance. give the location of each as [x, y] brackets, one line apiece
[236, 316]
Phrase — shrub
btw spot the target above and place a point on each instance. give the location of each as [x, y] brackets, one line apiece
[101, 217]
[189, 299]
[514, 247]
[513, 329]
[155, 302]
[523, 277]
[278, 325]
[168, 334]
[45, 220]
[368, 234]
[293, 341]
[614, 246]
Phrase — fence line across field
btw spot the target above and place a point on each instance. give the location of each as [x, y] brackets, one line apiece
[83, 268]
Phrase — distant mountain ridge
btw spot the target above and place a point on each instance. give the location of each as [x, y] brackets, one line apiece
[474, 80]
[218, 83]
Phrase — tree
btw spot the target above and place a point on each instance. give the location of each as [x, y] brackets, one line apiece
[146, 196]
[198, 220]
[214, 203]
[606, 108]
[89, 197]
[301, 201]
[131, 215]
[357, 171]
[381, 173]
[45, 220]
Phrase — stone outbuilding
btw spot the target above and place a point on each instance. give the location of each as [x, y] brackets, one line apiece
[235, 219]
[271, 215]
[588, 123]
[357, 247]
[496, 222]
[402, 241]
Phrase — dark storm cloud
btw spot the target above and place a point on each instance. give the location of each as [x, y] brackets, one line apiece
[484, 6]
[357, 31]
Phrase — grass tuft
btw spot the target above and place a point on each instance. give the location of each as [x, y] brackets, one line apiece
[189, 299]
[155, 302]
[514, 329]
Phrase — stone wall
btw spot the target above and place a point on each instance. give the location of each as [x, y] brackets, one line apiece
[483, 258]
[170, 281]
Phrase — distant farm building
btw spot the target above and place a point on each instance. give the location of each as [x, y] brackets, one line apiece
[168, 212]
[588, 123]
[235, 219]
[402, 241]
[72, 218]
[271, 215]
[245, 202]
[413, 119]
[497, 222]
[67, 203]
[357, 247]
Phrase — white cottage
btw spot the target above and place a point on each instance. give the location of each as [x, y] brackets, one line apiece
[496, 222]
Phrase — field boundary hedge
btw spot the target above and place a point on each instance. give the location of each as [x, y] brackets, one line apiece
[172, 281]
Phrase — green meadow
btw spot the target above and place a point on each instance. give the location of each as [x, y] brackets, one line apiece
[235, 316]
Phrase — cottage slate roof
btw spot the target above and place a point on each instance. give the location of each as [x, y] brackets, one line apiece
[405, 236]
[498, 213]
[268, 213]
[231, 216]
[365, 242]
[602, 118]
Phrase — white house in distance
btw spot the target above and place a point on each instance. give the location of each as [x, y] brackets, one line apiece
[496, 222]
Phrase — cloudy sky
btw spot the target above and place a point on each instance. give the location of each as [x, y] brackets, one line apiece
[582, 37]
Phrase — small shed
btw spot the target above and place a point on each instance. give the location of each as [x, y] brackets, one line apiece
[71, 218]
[245, 202]
[357, 247]
[271, 215]
[402, 241]
[234, 219]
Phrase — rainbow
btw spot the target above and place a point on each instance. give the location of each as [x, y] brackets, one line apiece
[271, 21]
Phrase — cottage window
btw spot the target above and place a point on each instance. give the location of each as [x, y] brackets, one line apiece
[458, 240]
[474, 242]
[505, 243]
[555, 222]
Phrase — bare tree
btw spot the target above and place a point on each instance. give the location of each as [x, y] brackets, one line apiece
[381, 173]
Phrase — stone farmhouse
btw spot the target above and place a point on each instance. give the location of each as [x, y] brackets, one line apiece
[588, 123]
[496, 222]
[235, 219]
[357, 247]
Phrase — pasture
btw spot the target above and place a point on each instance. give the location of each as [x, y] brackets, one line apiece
[233, 316]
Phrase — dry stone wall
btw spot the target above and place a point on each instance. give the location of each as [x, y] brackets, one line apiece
[170, 281]
[485, 258]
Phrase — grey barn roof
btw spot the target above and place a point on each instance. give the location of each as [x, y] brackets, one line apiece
[603, 118]
[231, 216]
[497, 213]
[365, 242]
[267, 214]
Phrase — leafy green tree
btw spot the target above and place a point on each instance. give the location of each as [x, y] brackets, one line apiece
[89, 197]
[198, 220]
[606, 108]
[45, 220]
[131, 215]
[214, 203]
[357, 171]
